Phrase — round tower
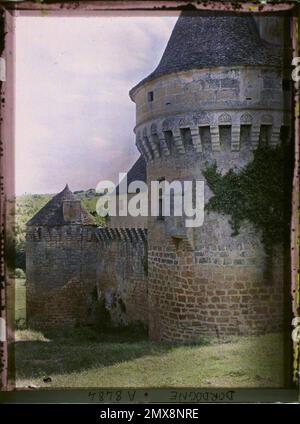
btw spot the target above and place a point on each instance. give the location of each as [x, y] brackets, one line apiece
[216, 94]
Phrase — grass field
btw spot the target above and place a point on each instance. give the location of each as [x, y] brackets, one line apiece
[20, 302]
[84, 357]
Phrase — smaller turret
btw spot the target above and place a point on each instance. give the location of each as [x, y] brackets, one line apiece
[61, 256]
[62, 209]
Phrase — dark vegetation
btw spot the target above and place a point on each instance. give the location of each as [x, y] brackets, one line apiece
[259, 193]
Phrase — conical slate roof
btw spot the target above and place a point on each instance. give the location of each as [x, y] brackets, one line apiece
[52, 213]
[137, 172]
[201, 40]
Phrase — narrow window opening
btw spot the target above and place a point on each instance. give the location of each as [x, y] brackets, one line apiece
[150, 96]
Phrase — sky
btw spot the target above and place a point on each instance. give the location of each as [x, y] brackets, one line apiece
[74, 117]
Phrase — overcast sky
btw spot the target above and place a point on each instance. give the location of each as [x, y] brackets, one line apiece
[74, 117]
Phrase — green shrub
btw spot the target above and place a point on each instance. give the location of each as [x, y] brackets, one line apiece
[19, 273]
[259, 193]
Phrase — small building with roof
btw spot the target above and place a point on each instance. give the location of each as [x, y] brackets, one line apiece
[61, 263]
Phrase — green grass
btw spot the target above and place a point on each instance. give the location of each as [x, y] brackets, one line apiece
[20, 302]
[85, 358]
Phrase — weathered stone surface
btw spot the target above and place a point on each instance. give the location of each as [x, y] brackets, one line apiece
[182, 282]
[204, 280]
[122, 277]
[61, 265]
[69, 268]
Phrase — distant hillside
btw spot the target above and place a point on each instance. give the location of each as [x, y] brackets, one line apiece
[28, 205]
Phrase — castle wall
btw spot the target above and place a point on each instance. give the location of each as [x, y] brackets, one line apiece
[69, 268]
[244, 88]
[61, 265]
[216, 288]
[190, 110]
[203, 280]
[127, 221]
[122, 274]
[183, 282]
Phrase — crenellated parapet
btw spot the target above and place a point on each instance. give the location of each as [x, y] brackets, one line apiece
[80, 233]
[131, 235]
[60, 233]
[181, 133]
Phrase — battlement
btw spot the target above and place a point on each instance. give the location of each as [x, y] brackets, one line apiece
[60, 233]
[132, 235]
[178, 134]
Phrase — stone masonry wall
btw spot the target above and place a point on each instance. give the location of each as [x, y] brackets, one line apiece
[122, 274]
[203, 280]
[61, 264]
[68, 306]
[218, 289]
[127, 221]
[192, 101]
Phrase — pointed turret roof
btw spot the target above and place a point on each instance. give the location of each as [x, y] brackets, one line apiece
[138, 172]
[52, 213]
[203, 40]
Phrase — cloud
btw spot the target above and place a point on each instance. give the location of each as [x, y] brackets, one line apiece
[74, 117]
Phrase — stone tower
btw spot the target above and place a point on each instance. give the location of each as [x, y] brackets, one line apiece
[61, 263]
[216, 94]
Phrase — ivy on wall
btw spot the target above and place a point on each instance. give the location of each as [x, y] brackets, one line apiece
[259, 193]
